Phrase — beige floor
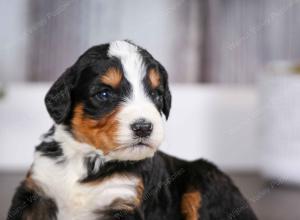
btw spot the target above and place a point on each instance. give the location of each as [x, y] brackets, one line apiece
[271, 200]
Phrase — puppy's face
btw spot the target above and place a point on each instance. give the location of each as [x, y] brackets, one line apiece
[113, 98]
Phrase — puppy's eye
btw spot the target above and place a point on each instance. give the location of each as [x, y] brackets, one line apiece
[104, 95]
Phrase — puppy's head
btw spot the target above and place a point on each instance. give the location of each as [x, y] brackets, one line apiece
[113, 98]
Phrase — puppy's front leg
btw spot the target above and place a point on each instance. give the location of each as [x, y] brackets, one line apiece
[29, 203]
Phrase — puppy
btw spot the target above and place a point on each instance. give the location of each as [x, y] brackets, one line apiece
[100, 160]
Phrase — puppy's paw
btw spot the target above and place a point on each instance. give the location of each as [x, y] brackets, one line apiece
[94, 162]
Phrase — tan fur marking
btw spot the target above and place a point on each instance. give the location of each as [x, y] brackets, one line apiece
[99, 133]
[30, 183]
[112, 77]
[154, 78]
[140, 193]
[190, 205]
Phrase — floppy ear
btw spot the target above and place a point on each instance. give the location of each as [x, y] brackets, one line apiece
[58, 98]
[167, 101]
[167, 97]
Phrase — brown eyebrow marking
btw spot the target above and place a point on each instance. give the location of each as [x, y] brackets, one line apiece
[112, 77]
[154, 78]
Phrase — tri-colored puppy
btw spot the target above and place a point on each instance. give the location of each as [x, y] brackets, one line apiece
[100, 160]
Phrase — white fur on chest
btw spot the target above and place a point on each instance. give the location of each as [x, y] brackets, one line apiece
[60, 180]
[76, 200]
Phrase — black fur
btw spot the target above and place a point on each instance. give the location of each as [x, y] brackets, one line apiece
[50, 149]
[58, 99]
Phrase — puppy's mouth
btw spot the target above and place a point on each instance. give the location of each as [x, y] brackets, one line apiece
[141, 144]
[133, 150]
[137, 145]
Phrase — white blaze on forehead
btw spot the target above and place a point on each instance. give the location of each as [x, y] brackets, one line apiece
[133, 66]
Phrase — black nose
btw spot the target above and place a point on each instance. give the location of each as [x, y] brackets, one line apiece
[142, 128]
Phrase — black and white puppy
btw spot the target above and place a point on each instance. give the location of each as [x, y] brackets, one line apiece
[100, 160]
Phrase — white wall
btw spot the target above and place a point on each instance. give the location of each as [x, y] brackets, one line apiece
[14, 40]
[169, 29]
[215, 122]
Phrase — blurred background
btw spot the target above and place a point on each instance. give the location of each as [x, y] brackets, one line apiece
[233, 72]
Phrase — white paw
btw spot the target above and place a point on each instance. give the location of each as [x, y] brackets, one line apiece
[94, 161]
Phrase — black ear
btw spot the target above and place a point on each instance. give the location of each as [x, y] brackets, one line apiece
[167, 102]
[167, 97]
[58, 98]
